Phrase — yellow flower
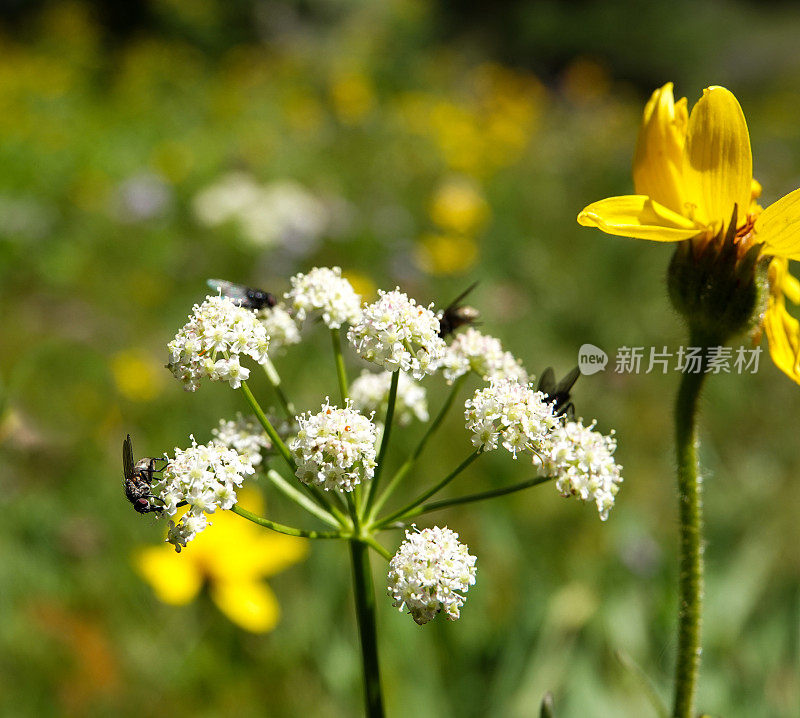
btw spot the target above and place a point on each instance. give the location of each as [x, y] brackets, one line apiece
[458, 206]
[232, 556]
[444, 254]
[690, 173]
[137, 375]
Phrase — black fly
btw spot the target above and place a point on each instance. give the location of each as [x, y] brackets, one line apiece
[139, 479]
[457, 315]
[243, 296]
[557, 394]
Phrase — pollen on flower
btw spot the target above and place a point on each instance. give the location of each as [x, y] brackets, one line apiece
[204, 476]
[582, 462]
[510, 414]
[334, 448]
[431, 572]
[324, 290]
[482, 354]
[398, 334]
[245, 435]
[212, 342]
[370, 393]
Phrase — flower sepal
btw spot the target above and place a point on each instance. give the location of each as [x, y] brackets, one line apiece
[719, 285]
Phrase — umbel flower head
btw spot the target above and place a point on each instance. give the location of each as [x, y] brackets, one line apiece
[324, 290]
[431, 572]
[482, 354]
[370, 394]
[397, 333]
[245, 435]
[693, 176]
[280, 326]
[335, 448]
[206, 478]
[213, 341]
[510, 414]
[582, 462]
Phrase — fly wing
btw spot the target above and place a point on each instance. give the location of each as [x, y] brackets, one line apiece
[127, 457]
[547, 382]
[568, 382]
[237, 292]
[461, 296]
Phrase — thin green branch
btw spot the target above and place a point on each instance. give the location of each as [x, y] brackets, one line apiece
[433, 490]
[276, 440]
[378, 547]
[274, 380]
[408, 464]
[387, 430]
[300, 498]
[341, 373]
[288, 530]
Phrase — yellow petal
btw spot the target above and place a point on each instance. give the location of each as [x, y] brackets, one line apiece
[249, 604]
[778, 226]
[658, 161]
[717, 162]
[175, 578]
[638, 216]
[276, 552]
[783, 335]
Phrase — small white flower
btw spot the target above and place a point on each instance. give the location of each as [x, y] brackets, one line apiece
[512, 414]
[397, 333]
[370, 393]
[335, 448]
[430, 573]
[280, 326]
[324, 290]
[213, 341]
[206, 478]
[244, 435]
[582, 462]
[482, 354]
[224, 200]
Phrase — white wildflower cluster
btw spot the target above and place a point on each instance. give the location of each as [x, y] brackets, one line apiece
[278, 213]
[482, 354]
[582, 462]
[206, 478]
[213, 341]
[430, 573]
[512, 414]
[245, 435]
[324, 290]
[370, 393]
[280, 326]
[335, 448]
[397, 333]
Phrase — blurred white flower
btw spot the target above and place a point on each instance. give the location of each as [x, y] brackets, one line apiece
[482, 354]
[430, 573]
[397, 333]
[142, 197]
[245, 435]
[281, 327]
[370, 393]
[324, 290]
[335, 448]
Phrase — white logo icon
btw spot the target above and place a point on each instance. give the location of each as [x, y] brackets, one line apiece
[591, 359]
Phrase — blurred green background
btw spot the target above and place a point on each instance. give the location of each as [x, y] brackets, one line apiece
[416, 143]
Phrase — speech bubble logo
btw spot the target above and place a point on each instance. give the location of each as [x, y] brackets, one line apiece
[591, 359]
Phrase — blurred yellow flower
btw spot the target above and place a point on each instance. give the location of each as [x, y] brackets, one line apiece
[352, 96]
[442, 254]
[362, 284]
[691, 172]
[138, 376]
[458, 206]
[232, 556]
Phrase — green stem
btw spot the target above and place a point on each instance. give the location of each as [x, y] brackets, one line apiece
[446, 503]
[341, 374]
[387, 430]
[379, 548]
[276, 440]
[412, 459]
[288, 530]
[430, 492]
[690, 581]
[274, 380]
[367, 628]
[299, 498]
